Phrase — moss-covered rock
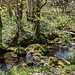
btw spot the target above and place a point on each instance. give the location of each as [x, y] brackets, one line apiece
[56, 39]
[73, 38]
[30, 63]
[52, 61]
[35, 47]
[65, 61]
[50, 41]
[42, 61]
[36, 58]
[61, 63]
[37, 54]
[24, 64]
[31, 52]
[46, 64]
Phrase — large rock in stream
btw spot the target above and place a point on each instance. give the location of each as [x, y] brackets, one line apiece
[53, 61]
[35, 52]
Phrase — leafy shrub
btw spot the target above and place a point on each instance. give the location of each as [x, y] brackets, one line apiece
[71, 58]
[42, 38]
[63, 22]
[65, 38]
[69, 68]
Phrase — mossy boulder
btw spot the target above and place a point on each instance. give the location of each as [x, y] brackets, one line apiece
[61, 63]
[24, 64]
[66, 62]
[35, 47]
[31, 52]
[37, 54]
[52, 61]
[36, 58]
[30, 63]
[42, 61]
[56, 39]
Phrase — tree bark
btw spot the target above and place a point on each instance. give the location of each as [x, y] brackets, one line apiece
[1, 25]
[18, 22]
[37, 23]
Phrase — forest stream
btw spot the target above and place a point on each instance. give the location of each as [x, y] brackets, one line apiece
[10, 59]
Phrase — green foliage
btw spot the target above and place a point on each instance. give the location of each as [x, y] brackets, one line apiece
[65, 38]
[63, 22]
[42, 38]
[45, 69]
[71, 58]
[69, 68]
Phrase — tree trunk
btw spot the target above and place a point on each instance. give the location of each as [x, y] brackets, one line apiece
[1, 25]
[37, 23]
[18, 22]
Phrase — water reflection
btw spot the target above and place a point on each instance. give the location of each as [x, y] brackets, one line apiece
[61, 53]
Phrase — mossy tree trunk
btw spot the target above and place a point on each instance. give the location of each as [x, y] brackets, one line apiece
[37, 22]
[18, 21]
[1, 25]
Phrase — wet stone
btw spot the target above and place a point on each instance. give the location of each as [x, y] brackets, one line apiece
[7, 67]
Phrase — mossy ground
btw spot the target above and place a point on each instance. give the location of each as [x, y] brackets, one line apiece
[41, 70]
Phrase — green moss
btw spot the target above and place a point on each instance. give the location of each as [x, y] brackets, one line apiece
[31, 52]
[52, 61]
[42, 61]
[30, 63]
[20, 51]
[66, 62]
[24, 64]
[73, 39]
[45, 64]
[35, 47]
[36, 58]
[61, 63]
[56, 39]
[38, 54]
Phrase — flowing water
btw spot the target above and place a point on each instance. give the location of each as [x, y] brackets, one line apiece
[10, 59]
